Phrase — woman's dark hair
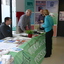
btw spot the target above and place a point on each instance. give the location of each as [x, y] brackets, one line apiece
[6, 18]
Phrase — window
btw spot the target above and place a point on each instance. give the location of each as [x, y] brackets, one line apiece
[7, 2]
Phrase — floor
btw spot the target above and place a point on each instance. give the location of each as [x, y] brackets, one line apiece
[57, 52]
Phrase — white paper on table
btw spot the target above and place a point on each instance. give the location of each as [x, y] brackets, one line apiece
[15, 35]
[4, 52]
[23, 38]
[25, 34]
[7, 45]
[7, 59]
[16, 49]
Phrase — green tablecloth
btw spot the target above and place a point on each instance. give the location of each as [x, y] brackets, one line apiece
[33, 53]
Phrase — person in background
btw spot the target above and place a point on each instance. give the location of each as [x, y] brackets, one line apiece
[5, 30]
[41, 18]
[48, 26]
[24, 21]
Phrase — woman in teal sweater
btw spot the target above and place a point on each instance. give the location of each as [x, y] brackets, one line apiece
[48, 26]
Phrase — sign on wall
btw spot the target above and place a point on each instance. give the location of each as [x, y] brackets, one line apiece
[52, 6]
[61, 16]
[29, 4]
[40, 5]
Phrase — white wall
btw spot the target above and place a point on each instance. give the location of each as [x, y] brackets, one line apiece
[20, 5]
[13, 14]
[19, 8]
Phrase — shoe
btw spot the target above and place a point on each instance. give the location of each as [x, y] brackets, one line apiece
[47, 56]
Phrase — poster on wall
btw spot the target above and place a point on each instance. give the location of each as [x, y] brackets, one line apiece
[32, 18]
[55, 17]
[61, 16]
[36, 17]
[52, 6]
[40, 5]
[29, 4]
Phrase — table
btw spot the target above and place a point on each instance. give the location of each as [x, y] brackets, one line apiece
[33, 51]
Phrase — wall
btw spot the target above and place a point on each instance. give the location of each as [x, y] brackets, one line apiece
[19, 8]
[20, 5]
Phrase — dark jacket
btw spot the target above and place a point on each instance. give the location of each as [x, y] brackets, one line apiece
[5, 31]
[41, 17]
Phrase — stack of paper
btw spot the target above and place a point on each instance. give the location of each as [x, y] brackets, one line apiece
[7, 45]
[1, 41]
[16, 49]
[4, 52]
